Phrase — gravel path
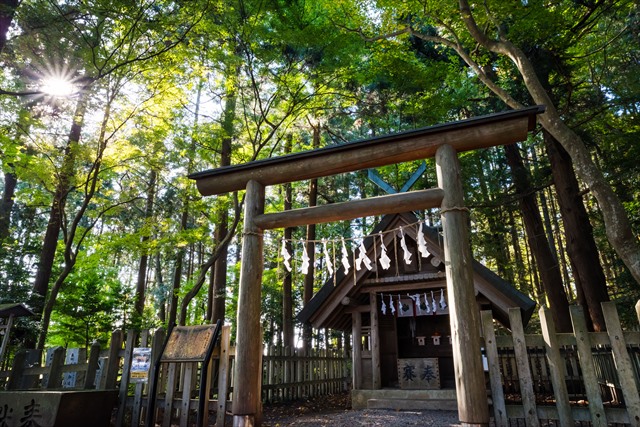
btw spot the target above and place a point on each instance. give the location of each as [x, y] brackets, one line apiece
[365, 417]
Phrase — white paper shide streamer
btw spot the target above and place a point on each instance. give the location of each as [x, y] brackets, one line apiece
[327, 258]
[384, 305]
[304, 266]
[434, 305]
[385, 261]
[345, 258]
[422, 244]
[443, 303]
[285, 255]
[405, 251]
[362, 257]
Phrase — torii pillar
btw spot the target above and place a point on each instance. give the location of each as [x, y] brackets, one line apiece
[247, 410]
[463, 310]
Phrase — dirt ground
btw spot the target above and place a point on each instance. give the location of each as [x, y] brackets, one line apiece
[335, 411]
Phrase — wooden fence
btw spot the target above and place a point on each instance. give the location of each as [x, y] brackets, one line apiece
[586, 378]
[287, 375]
[562, 379]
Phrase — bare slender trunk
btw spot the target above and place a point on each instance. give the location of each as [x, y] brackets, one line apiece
[6, 204]
[311, 236]
[547, 264]
[583, 252]
[287, 298]
[7, 10]
[63, 185]
[219, 292]
[141, 283]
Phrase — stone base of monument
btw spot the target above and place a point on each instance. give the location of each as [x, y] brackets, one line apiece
[57, 408]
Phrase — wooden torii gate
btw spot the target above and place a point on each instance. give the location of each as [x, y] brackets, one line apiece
[443, 142]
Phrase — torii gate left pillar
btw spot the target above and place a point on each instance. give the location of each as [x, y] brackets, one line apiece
[247, 411]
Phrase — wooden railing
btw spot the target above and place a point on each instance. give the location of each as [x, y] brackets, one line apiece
[588, 377]
[287, 375]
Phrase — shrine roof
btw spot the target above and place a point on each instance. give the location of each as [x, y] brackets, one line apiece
[327, 308]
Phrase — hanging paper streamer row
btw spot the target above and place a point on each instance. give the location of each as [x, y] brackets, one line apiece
[421, 304]
[362, 259]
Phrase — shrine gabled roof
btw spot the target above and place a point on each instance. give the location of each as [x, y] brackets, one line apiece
[327, 310]
[17, 309]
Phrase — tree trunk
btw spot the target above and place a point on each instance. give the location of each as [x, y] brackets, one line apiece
[6, 204]
[162, 304]
[287, 298]
[219, 292]
[582, 249]
[547, 264]
[63, 185]
[141, 283]
[177, 272]
[616, 220]
[496, 244]
[311, 236]
[7, 10]
[71, 245]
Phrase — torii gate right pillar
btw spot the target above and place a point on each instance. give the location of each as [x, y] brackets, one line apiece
[473, 408]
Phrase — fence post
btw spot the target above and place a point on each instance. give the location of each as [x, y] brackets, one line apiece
[524, 371]
[19, 362]
[124, 379]
[55, 369]
[622, 360]
[113, 360]
[495, 379]
[223, 376]
[136, 408]
[92, 366]
[556, 367]
[583, 344]
[156, 348]
[288, 365]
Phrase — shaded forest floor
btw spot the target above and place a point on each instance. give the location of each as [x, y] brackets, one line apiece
[335, 411]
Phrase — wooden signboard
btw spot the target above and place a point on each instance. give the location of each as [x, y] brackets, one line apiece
[419, 374]
[188, 343]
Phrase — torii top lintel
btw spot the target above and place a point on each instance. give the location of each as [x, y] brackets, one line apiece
[479, 132]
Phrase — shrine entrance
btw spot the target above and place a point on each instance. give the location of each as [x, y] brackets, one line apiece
[442, 142]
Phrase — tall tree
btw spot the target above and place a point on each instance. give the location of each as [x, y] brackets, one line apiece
[7, 11]
[547, 264]
[581, 247]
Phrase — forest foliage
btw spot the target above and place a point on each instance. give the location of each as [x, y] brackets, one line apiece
[107, 106]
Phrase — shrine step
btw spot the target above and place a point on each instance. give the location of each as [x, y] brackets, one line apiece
[413, 404]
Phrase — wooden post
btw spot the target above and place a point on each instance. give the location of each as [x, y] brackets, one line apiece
[53, 379]
[375, 342]
[495, 379]
[5, 338]
[132, 336]
[583, 345]
[248, 369]
[223, 376]
[90, 381]
[556, 367]
[522, 366]
[624, 366]
[113, 361]
[473, 408]
[356, 332]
